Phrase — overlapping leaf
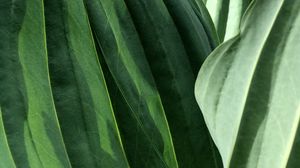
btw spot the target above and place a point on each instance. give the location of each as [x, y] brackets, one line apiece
[170, 32]
[150, 52]
[124, 55]
[81, 97]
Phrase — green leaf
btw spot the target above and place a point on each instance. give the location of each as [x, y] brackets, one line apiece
[248, 89]
[227, 15]
[183, 33]
[161, 26]
[149, 143]
[81, 97]
[6, 159]
[29, 116]
[207, 22]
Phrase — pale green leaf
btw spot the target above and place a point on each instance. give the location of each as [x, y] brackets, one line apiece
[227, 15]
[248, 89]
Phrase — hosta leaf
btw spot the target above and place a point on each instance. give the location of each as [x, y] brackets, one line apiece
[81, 98]
[157, 23]
[28, 112]
[149, 143]
[6, 159]
[248, 90]
[227, 15]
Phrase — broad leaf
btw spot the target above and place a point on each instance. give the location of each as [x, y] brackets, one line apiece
[248, 89]
[28, 112]
[81, 97]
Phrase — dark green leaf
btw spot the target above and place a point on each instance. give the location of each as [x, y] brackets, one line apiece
[6, 159]
[161, 26]
[81, 98]
[150, 144]
[29, 117]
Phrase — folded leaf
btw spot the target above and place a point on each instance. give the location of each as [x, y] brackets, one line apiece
[248, 90]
